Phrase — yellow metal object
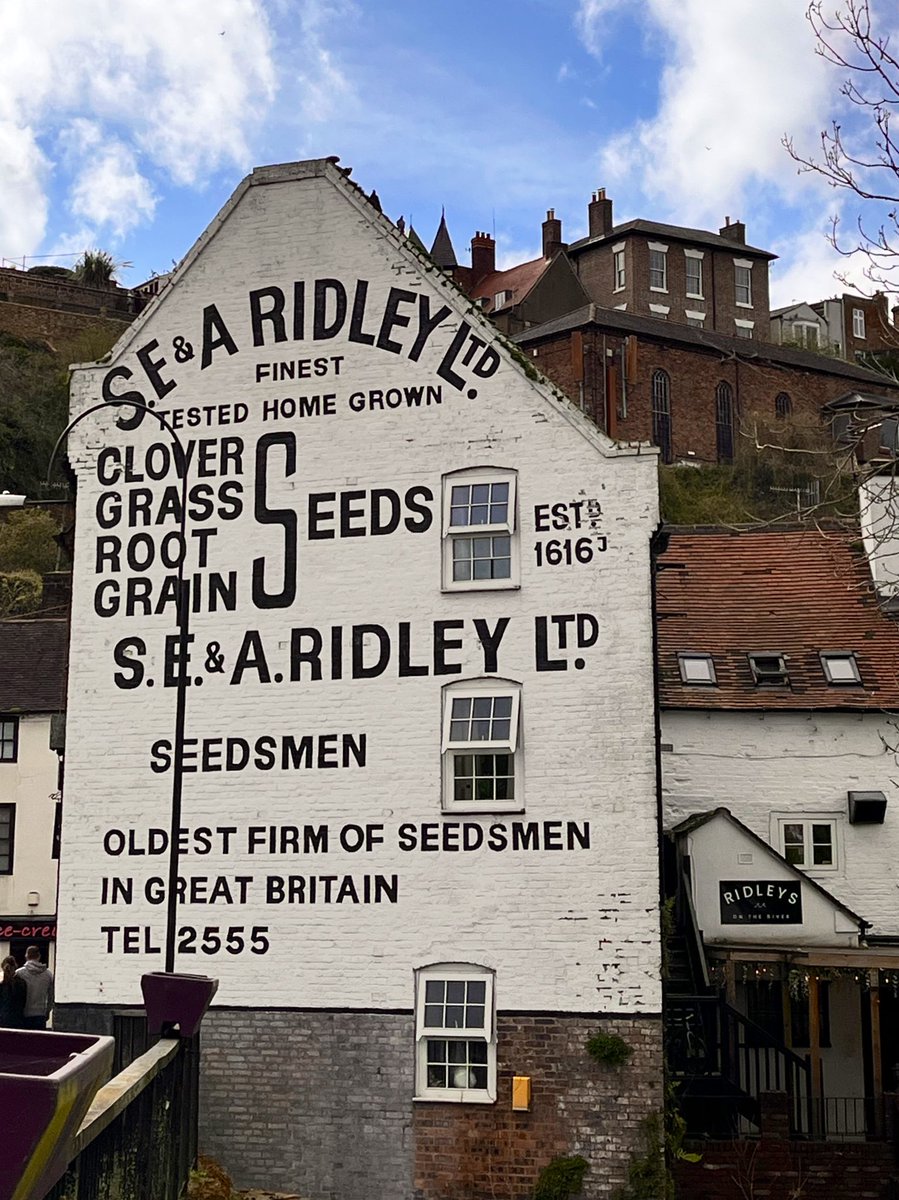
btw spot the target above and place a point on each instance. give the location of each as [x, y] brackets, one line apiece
[521, 1093]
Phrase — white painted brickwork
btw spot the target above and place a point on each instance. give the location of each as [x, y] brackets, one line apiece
[568, 930]
[766, 766]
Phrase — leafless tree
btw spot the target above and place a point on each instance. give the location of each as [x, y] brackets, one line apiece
[862, 158]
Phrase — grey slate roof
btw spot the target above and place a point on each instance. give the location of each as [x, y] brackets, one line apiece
[679, 233]
[442, 251]
[33, 656]
[700, 339]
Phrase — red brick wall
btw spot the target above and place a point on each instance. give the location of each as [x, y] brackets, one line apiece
[486, 1152]
[777, 1168]
[694, 375]
[594, 267]
[54, 326]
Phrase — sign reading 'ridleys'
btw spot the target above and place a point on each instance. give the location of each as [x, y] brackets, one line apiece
[760, 902]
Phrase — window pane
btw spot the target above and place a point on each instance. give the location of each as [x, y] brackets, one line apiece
[477, 991]
[502, 706]
[794, 844]
[477, 1053]
[434, 991]
[455, 991]
[434, 1016]
[474, 1018]
[461, 707]
[455, 1016]
[822, 845]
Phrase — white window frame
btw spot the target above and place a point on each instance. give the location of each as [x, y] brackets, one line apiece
[802, 333]
[807, 820]
[746, 265]
[660, 310]
[695, 319]
[475, 689]
[705, 677]
[829, 658]
[858, 323]
[455, 973]
[659, 248]
[745, 326]
[695, 256]
[502, 298]
[455, 533]
[619, 268]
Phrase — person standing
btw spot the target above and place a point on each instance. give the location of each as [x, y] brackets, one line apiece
[38, 980]
[13, 993]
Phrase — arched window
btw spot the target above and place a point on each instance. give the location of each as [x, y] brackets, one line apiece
[661, 413]
[724, 421]
[783, 406]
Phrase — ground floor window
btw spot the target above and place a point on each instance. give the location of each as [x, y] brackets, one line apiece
[455, 1034]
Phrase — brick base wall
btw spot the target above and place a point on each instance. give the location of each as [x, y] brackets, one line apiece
[320, 1103]
[784, 1170]
[578, 1107]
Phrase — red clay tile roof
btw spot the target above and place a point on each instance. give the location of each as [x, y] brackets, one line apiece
[517, 280]
[789, 592]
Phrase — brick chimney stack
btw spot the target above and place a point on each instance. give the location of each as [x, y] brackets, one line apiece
[483, 257]
[734, 231]
[552, 234]
[599, 214]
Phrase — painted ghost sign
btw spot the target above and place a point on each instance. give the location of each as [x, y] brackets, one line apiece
[413, 657]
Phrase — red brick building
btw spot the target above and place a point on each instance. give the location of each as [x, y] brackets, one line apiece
[686, 276]
[689, 391]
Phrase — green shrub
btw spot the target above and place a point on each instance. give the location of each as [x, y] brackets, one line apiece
[562, 1178]
[609, 1048]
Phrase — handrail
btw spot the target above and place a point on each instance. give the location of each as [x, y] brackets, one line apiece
[767, 1039]
[116, 1095]
[694, 938]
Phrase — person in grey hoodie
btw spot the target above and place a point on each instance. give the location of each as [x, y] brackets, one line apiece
[38, 980]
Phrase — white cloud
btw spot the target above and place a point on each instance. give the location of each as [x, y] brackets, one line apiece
[809, 266]
[738, 76]
[109, 191]
[169, 88]
[590, 22]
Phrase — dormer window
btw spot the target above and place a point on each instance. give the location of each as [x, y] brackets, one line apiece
[696, 668]
[769, 669]
[840, 666]
[502, 298]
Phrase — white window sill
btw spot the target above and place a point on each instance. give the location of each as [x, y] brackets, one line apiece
[658, 289]
[482, 585]
[456, 1097]
[743, 304]
[623, 288]
[695, 296]
[480, 810]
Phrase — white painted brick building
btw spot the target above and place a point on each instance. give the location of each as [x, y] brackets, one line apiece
[418, 787]
[779, 687]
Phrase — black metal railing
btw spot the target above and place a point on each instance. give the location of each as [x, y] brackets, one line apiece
[724, 1062]
[139, 1139]
[847, 1118]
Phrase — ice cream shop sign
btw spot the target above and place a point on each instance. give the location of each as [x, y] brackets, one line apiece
[760, 902]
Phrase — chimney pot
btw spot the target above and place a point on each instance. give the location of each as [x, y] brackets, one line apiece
[552, 234]
[599, 214]
[483, 256]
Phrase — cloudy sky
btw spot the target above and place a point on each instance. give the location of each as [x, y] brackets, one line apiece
[126, 124]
